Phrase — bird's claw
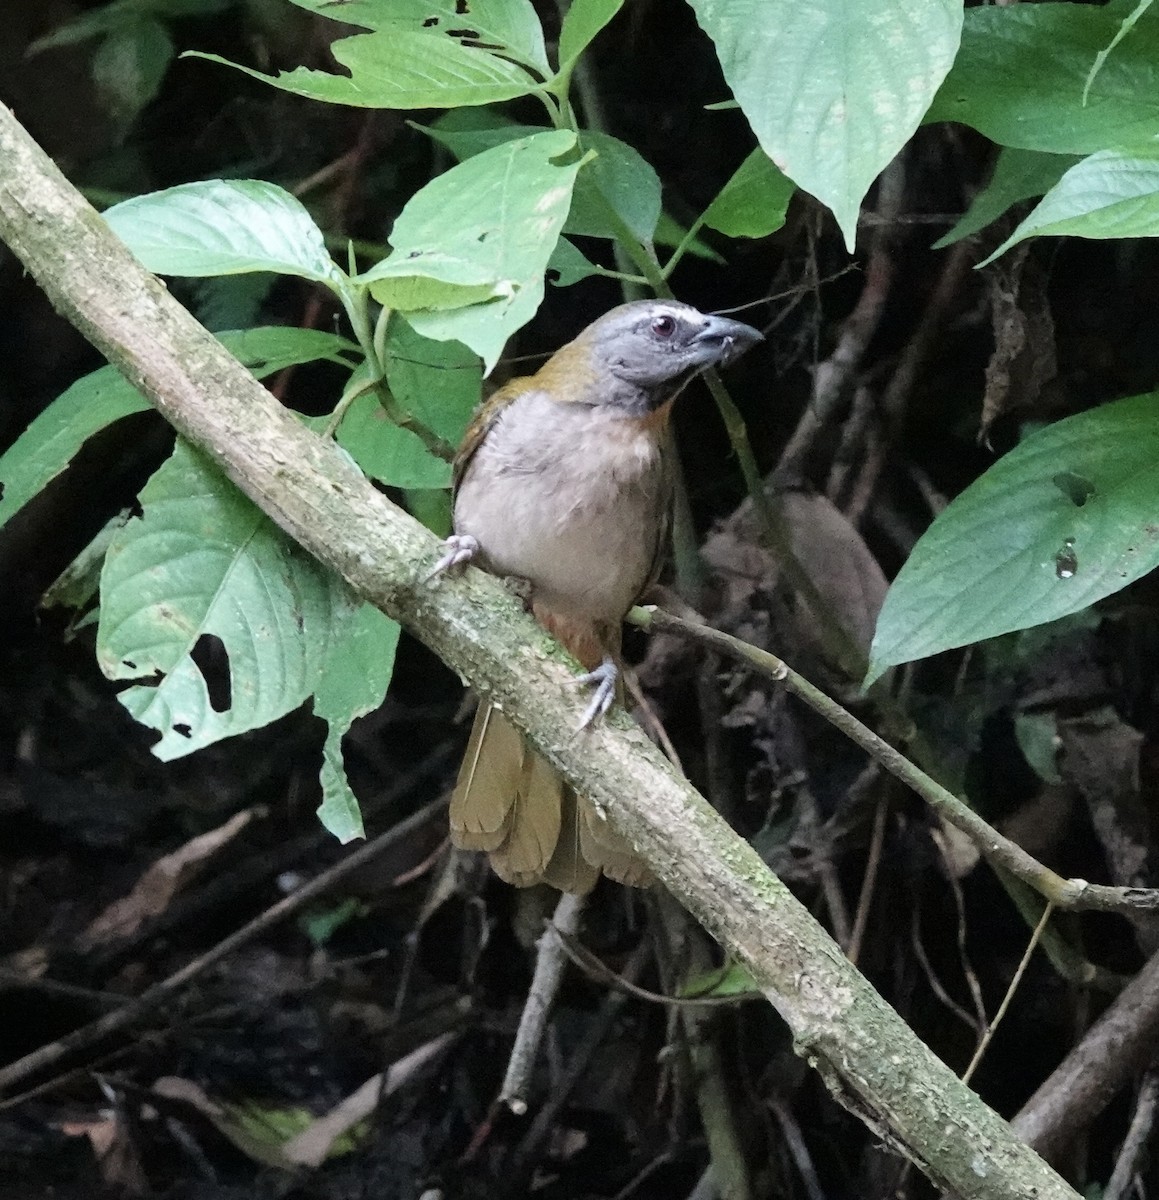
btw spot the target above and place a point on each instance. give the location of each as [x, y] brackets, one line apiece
[459, 548]
[603, 681]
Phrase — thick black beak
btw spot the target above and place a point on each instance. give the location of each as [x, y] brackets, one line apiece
[728, 338]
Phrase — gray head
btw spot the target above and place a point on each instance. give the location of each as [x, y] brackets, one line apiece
[649, 343]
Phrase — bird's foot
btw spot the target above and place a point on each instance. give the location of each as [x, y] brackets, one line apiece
[458, 549]
[603, 681]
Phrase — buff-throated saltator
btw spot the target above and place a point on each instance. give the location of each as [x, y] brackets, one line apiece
[562, 480]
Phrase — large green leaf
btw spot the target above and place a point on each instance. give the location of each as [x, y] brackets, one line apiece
[509, 26]
[582, 20]
[223, 227]
[1067, 517]
[1018, 175]
[501, 212]
[49, 444]
[202, 561]
[616, 185]
[753, 202]
[129, 66]
[440, 383]
[387, 452]
[398, 68]
[1022, 70]
[1110, 194]
[833, 88]
[119, 13]
[356, 674]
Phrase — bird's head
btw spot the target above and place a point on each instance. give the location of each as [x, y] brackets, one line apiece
[638, 355]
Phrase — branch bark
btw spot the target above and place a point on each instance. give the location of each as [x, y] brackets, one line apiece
[868, 1057]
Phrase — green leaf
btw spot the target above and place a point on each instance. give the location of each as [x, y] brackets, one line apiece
[582, 20]
[1125, 28]
[354, 680]
[506, 26]
[1110, 194]
[754, 201]
[387, 452]
[732, 979]
[432, 278]
[128, 68]
[618, 178]
[230, 301]
[321, 924]
[396, 68]
[76, 586]
[502, 211]
[439, 383]
[833, 89]
[1037, 737]
[670, 233]
[1018, 175]
[1020, 75]
[88, 25]
[1063, 520]
[49, 444]
[567, 265]
[271, 348]
[223, 227]
[203, 561]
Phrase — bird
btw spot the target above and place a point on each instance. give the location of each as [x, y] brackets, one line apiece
[563, 481]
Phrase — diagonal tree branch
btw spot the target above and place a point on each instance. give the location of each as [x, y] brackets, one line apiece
[869, 1058]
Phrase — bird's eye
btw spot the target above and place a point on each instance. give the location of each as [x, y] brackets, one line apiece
[664, 326]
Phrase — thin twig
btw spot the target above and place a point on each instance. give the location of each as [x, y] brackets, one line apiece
[1126, 1165]
[551, 957]
[833, 378]
[798, 1150]
[597, 1031]
[596, 969]
[936, 986]
[1068, 894]
[869, 881]
[988, 1036]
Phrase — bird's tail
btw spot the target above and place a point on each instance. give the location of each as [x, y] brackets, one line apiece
[514, 804]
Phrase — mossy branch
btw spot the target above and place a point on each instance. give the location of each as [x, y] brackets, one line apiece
[867, 1055]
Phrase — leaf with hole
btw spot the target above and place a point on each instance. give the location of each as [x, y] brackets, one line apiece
[505, 27]
[398, 67]
[499, 212]
[1066, 518]
[203, 571]
[358, 668]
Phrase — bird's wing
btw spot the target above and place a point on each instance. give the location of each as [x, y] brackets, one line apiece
[484, 420]
[664, 525]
